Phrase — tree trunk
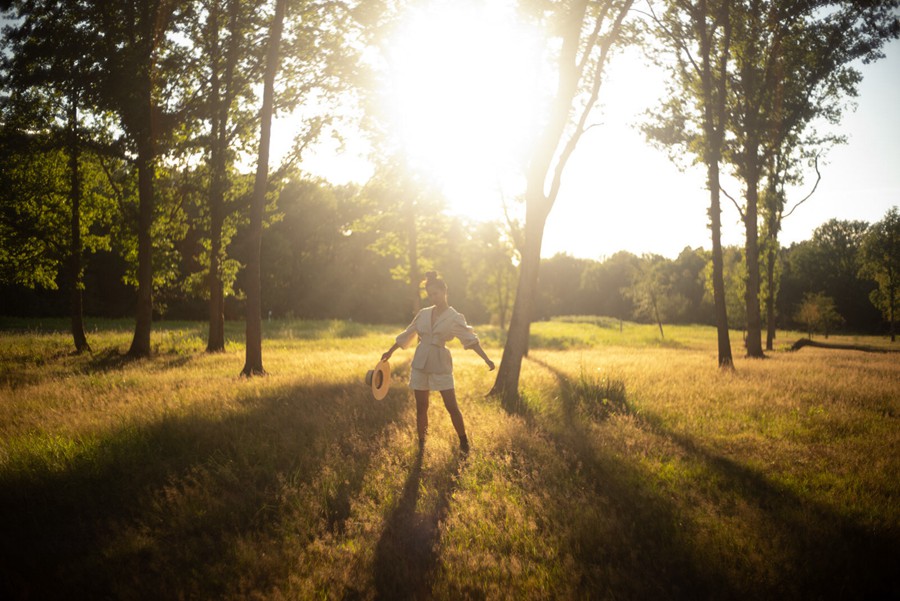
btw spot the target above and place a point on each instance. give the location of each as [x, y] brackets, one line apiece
[770, 296]
[538, 205]
[222, 94]
[218, 127]
[506, 386]
[549, 161]
[140, 344]
[893, 317]
[751, 247]
[656, 315]
[714, 130]
[715, 219]
[216, 340]
[253, 359]
[77, 301]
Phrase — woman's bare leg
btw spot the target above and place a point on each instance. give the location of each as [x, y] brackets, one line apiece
[421, 414]
[456, 417]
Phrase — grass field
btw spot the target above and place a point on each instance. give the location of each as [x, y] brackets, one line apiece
[633, 469]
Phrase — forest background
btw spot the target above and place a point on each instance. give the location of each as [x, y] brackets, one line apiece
[72, 214]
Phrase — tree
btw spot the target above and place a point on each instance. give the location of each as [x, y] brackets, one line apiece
[832, 266]
[589, 31]
[40, 228]
[606, 284]
[818, 312]
[693, 119]
[48, 80]
[406, 212]
[561, 291]
[688, 282]
[142, 28]
[253, 354]
[791, 66]
[880, 261]
[309, 51]
[223, 34]
[133, 55]
[653, 293]
[491, 262]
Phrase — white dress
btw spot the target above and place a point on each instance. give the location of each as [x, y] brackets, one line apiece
[432, 365]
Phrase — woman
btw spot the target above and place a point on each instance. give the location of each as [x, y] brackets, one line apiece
[432, 366]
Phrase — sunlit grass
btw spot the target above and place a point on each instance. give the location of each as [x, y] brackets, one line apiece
[634, 469]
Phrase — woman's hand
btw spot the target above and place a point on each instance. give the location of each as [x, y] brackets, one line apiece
[490, 364]
[390, 352]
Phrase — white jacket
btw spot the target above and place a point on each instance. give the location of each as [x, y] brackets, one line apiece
[431, 355]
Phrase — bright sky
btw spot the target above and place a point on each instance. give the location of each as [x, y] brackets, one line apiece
[462, 109]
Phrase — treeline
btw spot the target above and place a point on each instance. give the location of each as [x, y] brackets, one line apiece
[328, 252]
[346, 252]
[129, 131]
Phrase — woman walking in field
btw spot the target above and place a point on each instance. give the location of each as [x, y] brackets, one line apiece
[432, 365]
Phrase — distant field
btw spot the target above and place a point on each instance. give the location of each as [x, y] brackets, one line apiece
[633, 469]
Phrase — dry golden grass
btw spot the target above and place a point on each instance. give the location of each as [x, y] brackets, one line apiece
[634, 469]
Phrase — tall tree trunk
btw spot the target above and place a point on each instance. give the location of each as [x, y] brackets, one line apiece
[140, 343]
[770, 295]
[549, 161]
[222, 94]
[751, 247]
[506, 386]
[77, 300]
[218, 127]
[714, 130]
[253, 360]
[216, 341]
[537, 207]
[715, 220]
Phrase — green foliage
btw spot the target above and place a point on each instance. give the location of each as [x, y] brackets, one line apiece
[36, 212]
[735, 276]
[606, 282]
[653, 291]
[490, 262]
[829, 263]
[818, 313]
[880, 261]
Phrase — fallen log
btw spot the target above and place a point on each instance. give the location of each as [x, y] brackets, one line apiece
[843, 347]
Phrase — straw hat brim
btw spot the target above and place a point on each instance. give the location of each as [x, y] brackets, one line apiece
[380, 380]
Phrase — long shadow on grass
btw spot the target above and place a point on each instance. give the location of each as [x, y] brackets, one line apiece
[406, 553]
[182, 508]
[636, 550]
[830, 554]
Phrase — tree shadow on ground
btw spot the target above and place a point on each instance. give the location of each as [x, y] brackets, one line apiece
[829, 554]
[164, 510]
[407, 552]
[112, 359]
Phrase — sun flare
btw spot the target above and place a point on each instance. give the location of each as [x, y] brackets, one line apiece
[463, 97]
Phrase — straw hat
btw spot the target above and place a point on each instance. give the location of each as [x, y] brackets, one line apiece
[379, 379]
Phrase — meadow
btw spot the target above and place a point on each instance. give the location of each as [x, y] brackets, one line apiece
[632, 469]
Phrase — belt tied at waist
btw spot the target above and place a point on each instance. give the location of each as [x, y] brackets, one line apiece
[433, 340]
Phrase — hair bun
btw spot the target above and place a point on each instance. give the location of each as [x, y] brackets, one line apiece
[432, 279]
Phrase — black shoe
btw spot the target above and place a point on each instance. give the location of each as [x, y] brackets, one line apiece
[464, 446]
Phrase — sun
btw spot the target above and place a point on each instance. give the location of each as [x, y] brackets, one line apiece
[463, 98]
